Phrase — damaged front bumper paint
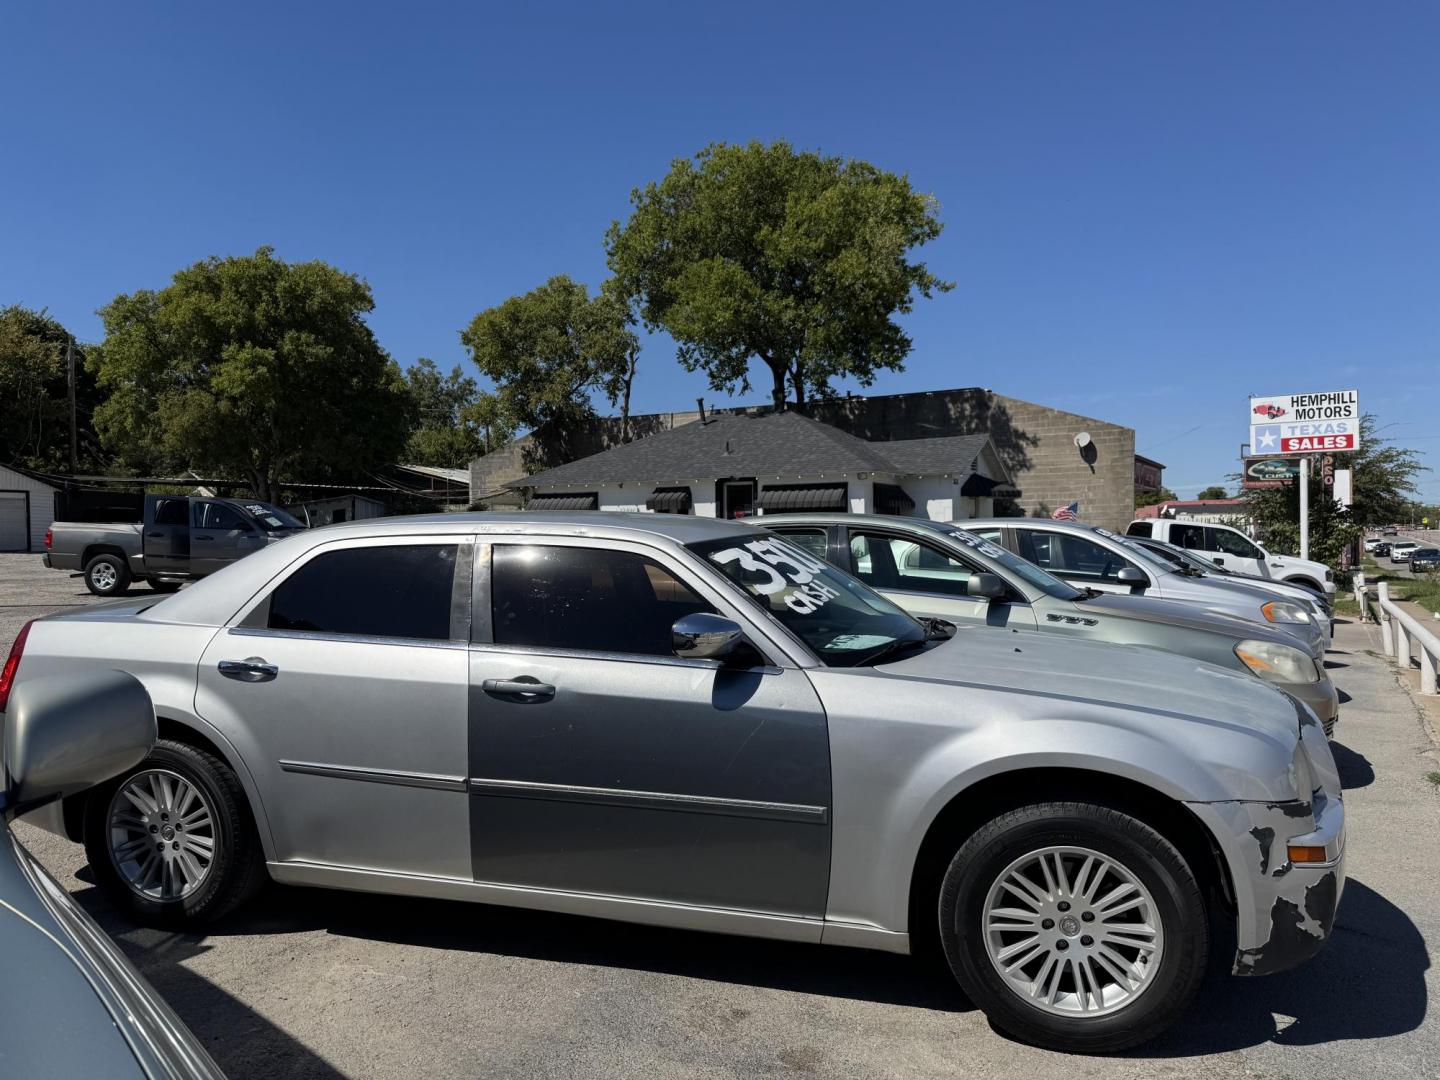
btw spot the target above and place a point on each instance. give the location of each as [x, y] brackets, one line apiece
[1285, 911]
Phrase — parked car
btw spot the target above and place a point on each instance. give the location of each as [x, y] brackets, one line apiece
[1401, 550]
[1231, 549]
[1372, 542]
[934, 570]
[693, 723]
[1090, 557]
[1425, 560]
[1381, 550]
[1389, 530]
[179, 540]
[70, 1003]
[1322, 610]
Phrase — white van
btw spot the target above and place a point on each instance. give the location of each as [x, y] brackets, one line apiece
[1233, 550]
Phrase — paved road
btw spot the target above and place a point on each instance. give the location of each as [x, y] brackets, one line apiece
[314, 983]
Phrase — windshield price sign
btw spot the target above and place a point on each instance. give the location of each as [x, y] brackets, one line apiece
[1305, 423]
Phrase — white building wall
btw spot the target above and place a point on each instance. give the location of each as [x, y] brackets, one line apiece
[631, 497]
[936, 497]
[40, 498]
[862, 496]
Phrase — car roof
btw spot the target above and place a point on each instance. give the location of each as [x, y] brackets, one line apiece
[840, 517]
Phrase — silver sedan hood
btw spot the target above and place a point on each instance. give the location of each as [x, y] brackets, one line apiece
[1179, 613]
[1099, 673]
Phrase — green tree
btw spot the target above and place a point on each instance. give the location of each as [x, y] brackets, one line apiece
[547, 351]
[797, 260]
[1152, 496]
[253, 368]
[34, 393]
[1383, 477]
[1214, 491]
[438, 404]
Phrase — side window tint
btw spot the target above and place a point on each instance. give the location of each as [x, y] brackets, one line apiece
[402, 591]
[812, 540]
[1070, 556]
[1231, 543]
[889, 562]
[172, 511]
[585, 598]
[1189, 537]
[1138, 528]
[220, 517]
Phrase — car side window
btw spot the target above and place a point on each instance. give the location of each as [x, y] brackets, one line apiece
[218, 516]
[590, 599]
[1139, 528]
[397, 591]
[1189, 537]
[1226, 542]
[892, 562]
[1070, 556]
[812, 540]
[172, 511]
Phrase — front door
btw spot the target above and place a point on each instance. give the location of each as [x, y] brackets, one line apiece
[601, 763]
[737, 498]
[345, 689]
[166, 534]
[219, 534]
[1083, 562]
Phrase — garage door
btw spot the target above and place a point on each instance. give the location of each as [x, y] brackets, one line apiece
[14, 521]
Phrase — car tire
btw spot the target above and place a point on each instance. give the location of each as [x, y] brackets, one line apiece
[1098, 1013]
[107, 575]
[165, 586]
[234, 870]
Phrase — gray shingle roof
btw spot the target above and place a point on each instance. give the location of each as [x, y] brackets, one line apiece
[768, 444]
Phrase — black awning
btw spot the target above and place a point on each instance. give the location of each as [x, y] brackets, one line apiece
[792, 498]
[669, 500]
[569, 501]
[977, 486]
[892, 499]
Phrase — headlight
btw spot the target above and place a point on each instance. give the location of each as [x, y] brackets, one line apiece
[1277, 663]
[1283, 611]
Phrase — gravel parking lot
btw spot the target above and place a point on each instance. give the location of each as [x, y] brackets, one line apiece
[316, 983]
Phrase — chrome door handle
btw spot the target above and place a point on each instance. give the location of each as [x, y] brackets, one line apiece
[525, 688]
[251, 669]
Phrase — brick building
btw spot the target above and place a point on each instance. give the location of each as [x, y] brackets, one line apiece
[1038, 445]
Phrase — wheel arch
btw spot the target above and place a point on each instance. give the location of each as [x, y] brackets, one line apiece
[1305, 582]
[980, 802]
[93, 551]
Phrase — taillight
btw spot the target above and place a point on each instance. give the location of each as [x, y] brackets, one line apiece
[12, 664]
[49, 539]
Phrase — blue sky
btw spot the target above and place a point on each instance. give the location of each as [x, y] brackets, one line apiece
[1152, 210]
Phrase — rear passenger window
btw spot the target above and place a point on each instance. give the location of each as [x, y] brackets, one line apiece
[590, 599]
[402, 591]
[812, 540]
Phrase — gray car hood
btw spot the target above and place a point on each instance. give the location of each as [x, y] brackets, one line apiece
[1122, 676]
[1180, 613]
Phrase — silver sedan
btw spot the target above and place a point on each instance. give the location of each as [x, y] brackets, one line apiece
[693, 723]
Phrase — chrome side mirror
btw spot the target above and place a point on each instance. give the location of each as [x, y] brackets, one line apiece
[703, 636]
[64, 734]
[1131, 575]
[985, 586]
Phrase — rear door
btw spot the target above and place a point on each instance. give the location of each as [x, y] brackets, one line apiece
[344, 688]
[219, 535]
[166, 534]
[601, 763]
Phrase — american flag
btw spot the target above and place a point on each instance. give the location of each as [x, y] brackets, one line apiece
[1067, 513]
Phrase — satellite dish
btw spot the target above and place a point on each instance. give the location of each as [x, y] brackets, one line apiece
[1082, 440]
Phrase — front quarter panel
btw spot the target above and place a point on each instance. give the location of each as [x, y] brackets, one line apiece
[902, 748]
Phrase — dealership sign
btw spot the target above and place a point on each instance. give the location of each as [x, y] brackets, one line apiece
[1269, 472]
[1305, 423]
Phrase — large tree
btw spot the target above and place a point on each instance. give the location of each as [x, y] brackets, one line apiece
[794, 259]
[34, 393]
[253, 368]
[1214, 491]
[548, 350]
[454, 421]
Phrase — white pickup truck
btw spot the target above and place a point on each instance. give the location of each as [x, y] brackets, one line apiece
[1231, 549]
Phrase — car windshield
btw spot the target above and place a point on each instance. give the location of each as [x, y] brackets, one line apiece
[1140, 550]
[271, 518]
[1179, 557]
[843, 622]
[1046, 582]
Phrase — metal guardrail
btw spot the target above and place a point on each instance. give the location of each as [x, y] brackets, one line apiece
[1399, 630]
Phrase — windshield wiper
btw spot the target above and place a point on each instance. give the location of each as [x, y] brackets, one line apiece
[890, 649]
[937, 629]
[1087, 593]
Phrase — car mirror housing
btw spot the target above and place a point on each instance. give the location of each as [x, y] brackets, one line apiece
[986, 586]
[67, 733]
[703, 636]
[1131, 575]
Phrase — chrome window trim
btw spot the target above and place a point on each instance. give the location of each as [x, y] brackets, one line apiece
[620, 657]
[358, 639]
[435, 781]
[652, 800]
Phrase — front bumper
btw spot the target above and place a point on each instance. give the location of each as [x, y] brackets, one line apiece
[1323, 700]
[1285, 911]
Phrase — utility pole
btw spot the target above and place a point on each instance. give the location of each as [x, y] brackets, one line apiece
[70, 381]
[1305, 507]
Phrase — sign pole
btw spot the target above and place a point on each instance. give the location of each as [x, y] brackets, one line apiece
[1304, 508]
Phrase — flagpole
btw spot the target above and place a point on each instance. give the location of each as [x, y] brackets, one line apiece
[1305, 507]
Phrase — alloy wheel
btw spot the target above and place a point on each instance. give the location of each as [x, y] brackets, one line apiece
[161, 835]
[1073, 932]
